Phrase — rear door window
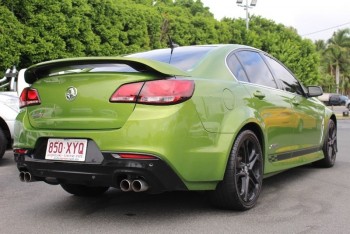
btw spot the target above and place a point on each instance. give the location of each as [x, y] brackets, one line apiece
[256, 68]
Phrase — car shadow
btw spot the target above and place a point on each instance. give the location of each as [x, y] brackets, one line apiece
[6, 161]
[117, 204]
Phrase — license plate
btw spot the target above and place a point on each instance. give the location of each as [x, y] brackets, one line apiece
[66, 149]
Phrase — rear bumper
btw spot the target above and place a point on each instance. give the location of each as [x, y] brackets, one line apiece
[173, 133]
[100, 169]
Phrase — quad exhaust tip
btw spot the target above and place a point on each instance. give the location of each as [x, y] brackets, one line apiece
[135, 185]
[125, 185]
[139, 186]
[25, 176]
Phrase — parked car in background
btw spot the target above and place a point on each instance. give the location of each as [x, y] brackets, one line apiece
[337, 100]
[347, 104]
[11, 85]
[217, 118]
[325, 98]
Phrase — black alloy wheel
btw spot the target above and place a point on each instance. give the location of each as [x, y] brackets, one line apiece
[330, 147]
[242, 182]
[3, 143]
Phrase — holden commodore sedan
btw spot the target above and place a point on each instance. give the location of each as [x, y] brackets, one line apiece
[215, 118]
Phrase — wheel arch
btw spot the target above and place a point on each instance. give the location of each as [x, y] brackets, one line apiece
[254, 127]
[334, 119]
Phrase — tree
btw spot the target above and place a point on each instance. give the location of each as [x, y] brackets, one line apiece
[54, 29]
[11, 39]
[337, 52]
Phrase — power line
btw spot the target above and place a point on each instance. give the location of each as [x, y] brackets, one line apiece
[326, 29]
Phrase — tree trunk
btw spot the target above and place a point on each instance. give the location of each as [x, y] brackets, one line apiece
[337, 75]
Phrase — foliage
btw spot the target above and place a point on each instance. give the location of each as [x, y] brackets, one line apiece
[11, 39]
[53, 29]
[335, 63]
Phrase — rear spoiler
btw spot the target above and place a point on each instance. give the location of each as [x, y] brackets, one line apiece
[42, 70]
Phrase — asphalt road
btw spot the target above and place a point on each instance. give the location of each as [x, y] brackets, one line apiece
[301, 200]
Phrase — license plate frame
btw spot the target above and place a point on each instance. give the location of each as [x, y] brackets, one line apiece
[73, 150]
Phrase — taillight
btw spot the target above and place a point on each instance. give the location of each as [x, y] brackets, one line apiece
[29, 97]
[127, 93]
[155, 92]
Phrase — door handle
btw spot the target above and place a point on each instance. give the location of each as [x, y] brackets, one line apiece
[295, 103]
[259, 94]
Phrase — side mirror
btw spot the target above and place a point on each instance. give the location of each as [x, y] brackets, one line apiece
[314, 91]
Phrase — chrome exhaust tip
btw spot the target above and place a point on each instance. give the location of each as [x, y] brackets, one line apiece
[27, 177]
[139, 186]
[21, 176]
[125, 185]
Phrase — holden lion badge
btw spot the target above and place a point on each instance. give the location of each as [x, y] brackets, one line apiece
[71, 93]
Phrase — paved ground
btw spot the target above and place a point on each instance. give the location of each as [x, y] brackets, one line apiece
[301, 200]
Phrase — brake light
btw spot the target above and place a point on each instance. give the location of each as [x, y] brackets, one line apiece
[29, 97]
[155, 92]
[127, 93]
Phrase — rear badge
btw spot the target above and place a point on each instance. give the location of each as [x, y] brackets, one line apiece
[71, 93]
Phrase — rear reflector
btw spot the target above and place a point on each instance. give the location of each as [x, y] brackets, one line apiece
[29, 97]
[157, 92]
[20, 151]
[133, 156]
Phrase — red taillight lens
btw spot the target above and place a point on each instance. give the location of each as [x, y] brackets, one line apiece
[127, 93]
[29, 97]
[166, 91]
[155, 92]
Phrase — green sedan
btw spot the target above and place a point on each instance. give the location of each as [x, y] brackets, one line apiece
[216, 118]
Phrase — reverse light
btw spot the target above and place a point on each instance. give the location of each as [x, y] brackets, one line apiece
[29, 97]
[157, 92]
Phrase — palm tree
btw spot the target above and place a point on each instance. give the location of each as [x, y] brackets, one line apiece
[337, 53]
[320, 45]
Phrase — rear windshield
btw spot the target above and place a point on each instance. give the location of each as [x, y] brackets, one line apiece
[91, 67]
[184, 58]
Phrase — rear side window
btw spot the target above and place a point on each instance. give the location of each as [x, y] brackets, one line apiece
[236, 68]
[287, 80]
[256, 68]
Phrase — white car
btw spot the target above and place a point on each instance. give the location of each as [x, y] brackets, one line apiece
[13, 83]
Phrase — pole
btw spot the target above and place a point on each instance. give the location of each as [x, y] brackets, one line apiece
[247, 15]
[246, 8]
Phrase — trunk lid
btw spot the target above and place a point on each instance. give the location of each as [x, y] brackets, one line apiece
[75, 93]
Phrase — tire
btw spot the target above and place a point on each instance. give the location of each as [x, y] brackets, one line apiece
[330, 147]
[3, 143]
[348, 106]
[83, 190]
[242, 183]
